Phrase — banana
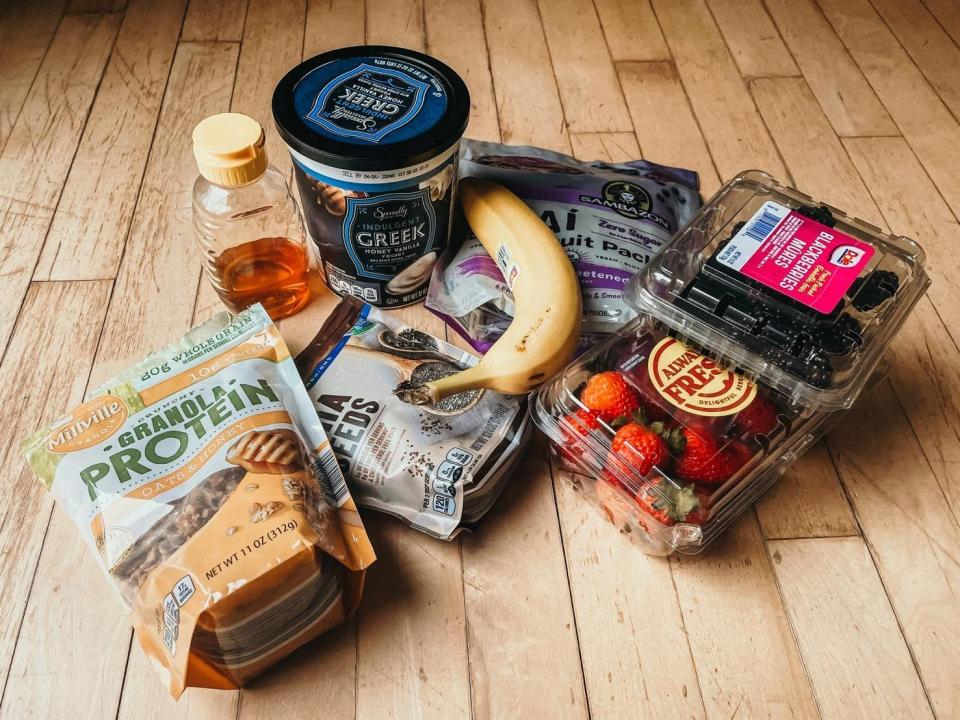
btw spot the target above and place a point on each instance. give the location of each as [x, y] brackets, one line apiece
[547, 313]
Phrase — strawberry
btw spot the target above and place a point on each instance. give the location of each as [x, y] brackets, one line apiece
[638, 448]
[667, 503]
[740, 454]
[609, 394]
[574, 426]
[582, 421]
[700, 458]
[758, 418]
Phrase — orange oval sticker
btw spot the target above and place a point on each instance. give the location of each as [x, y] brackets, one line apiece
[92, 422]
[694, 383]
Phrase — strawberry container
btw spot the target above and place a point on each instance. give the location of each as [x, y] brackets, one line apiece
[765, 316]
[793, 292]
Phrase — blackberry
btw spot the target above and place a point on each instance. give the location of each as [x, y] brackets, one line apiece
[843, 336]
[878, 287]
[821, 214]
[818, 371]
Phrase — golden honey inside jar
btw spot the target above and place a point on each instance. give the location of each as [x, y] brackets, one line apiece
[246, 220]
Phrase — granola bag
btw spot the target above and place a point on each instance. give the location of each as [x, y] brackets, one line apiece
[209, 493]
[610, 218]
[439, 468]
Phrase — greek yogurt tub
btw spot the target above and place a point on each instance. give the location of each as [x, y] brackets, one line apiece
[374, 133]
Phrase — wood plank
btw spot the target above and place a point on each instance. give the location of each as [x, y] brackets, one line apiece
[22, 52]
[214, 21]
[631, 30]
[522, 638]
[144, 688]
[317, 678]
[808, 501]
[753, 39]
[664, 121]
[152, 303]
[87, 235]
[332, 24]
[404, 670]
[73, 643]
[733, 616]
[911, 533]
[272, 45]
[633, 643]
[947, 13]
[455, 35]
[851, 645]
[96, 6]
[610, 147]
[840, 88]
[157, 283]
[727, 117]
[922, 117]
[39, 150]
[41, 377]
[528, 102]
[589, 89]
[797, 125]
[926, 365]
[396, 22]
[937, 56]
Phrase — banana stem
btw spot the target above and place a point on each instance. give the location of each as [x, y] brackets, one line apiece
[436, 390]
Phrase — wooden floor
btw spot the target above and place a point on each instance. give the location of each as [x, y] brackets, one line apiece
[838, 597]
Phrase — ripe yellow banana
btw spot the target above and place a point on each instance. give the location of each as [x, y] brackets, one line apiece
[546, 324]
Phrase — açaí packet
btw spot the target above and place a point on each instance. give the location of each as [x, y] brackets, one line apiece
[438, 468]
[205, 485]
[611, 218]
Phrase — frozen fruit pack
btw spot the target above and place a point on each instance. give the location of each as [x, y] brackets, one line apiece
[765, 316]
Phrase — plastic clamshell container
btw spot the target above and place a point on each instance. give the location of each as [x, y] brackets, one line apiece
[753, 433]
[796, 294]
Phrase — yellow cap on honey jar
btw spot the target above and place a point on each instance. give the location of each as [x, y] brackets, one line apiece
[229, 148]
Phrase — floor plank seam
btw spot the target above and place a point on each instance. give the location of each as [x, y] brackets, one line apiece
[786, 614]
[566, 571]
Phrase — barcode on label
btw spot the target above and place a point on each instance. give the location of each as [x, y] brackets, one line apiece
[763, 224]
[331, 477]
[752, 236]
[503, 257]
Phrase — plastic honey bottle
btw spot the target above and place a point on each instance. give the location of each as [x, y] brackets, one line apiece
[246, 220]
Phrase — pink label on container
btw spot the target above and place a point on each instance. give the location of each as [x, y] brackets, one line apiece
[797, 256]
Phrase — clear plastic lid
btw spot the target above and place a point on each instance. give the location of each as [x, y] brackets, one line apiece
[792, 292]
[675, 446]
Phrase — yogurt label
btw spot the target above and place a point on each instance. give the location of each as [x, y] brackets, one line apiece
[368, 102]
[385, 233]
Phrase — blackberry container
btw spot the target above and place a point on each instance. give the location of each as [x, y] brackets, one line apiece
[763, 318]
[793, 292]
[374, 134]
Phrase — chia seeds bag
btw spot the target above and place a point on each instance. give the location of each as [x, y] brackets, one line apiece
[611, 218]
[439, 468]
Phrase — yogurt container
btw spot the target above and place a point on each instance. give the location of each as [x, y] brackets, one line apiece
[374, 133]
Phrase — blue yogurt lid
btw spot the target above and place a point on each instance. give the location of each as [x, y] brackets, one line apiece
[371, 108]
